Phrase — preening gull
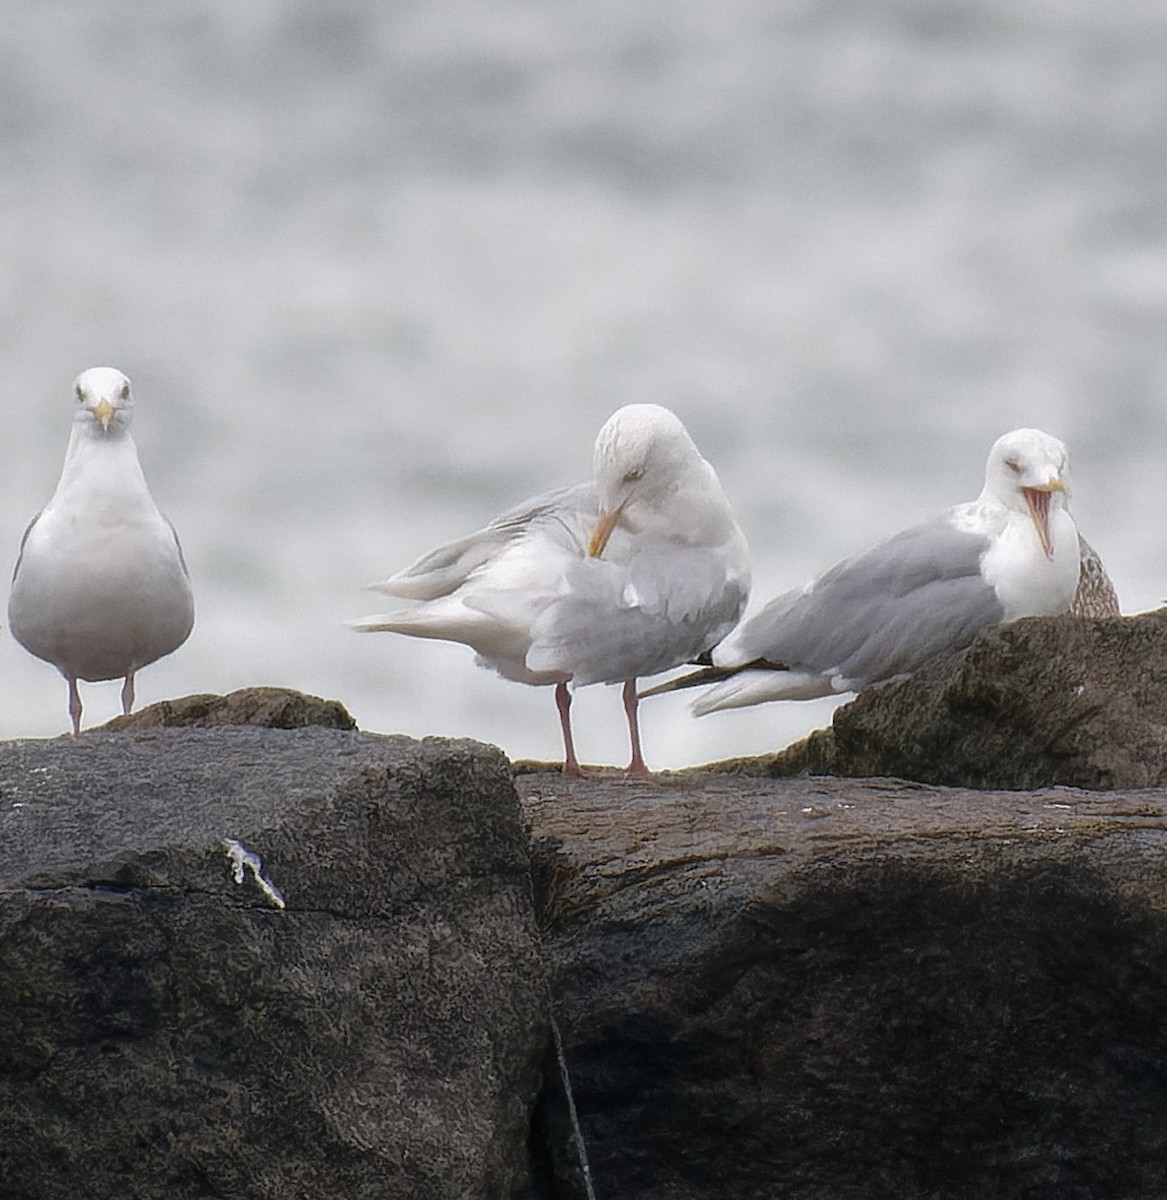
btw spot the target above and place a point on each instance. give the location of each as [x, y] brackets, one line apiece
[1012, 552]
[100, 588]
[633, 573]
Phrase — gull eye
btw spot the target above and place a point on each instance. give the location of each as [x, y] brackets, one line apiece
[125, 391]
[633, 475]
[1013, 465]
[80, 394]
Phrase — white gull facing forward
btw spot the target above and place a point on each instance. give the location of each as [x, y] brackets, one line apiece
[100, 588]
[638, 571]
[1012, 552]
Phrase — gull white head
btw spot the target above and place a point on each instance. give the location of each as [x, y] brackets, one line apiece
[104, 403]
[1029, 471]
[643, 457]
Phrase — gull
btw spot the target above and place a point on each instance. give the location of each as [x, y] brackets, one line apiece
[100, 588]
[633, 573]
[1013, 552]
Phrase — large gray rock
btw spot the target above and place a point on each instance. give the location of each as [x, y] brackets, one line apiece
[1053, 700]
[822, 989]
[167, 1031]
[813, 988]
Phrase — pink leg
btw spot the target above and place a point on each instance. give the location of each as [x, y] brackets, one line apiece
[563, 703]
[128, 693]
[636, 766]
[74, 704]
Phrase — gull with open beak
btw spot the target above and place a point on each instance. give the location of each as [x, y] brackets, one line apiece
[636, 572]
[100, 588]
[1013, 552]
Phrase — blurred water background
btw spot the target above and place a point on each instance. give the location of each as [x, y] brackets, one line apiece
[378, 271]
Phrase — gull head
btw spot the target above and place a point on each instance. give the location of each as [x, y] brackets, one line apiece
[104, 403]
[1029, 471]
[644, 458]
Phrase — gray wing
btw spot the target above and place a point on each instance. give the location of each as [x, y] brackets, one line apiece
[882, 612]
[560, 513]
[617, 621]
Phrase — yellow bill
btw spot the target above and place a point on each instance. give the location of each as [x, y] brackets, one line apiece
[103, 413]
[1038, 499]
[605, 523]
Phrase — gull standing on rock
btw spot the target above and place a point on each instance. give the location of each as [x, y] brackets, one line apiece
[100, 587]
[1013, 552]
[636, 572]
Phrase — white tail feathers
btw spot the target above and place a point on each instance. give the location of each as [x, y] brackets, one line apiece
[417, 622]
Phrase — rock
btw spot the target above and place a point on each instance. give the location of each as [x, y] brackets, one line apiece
[823, 989]
[1043, 701]
[270, 707]
[169, 1031]
[282, 963]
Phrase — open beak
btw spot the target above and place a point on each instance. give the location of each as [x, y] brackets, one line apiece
[103, 413]
[605, 523]
[1038, 499]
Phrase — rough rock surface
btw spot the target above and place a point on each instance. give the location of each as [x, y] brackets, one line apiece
[170, 1032]
[1043, 701]
[820, 989]
[813, 988]
[270, 707]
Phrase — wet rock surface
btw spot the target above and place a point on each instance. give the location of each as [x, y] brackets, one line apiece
[170, 1031]
[823, 989]
[1039, 702]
